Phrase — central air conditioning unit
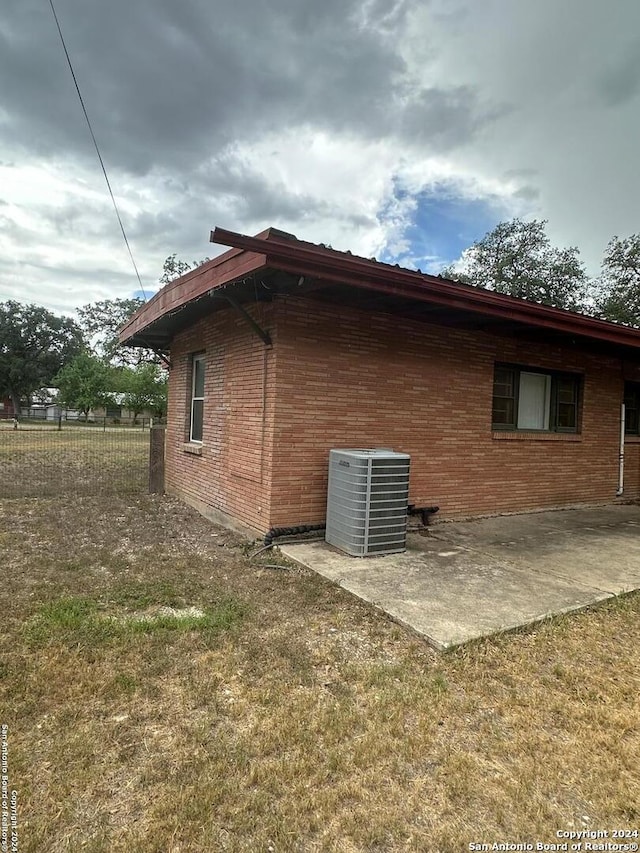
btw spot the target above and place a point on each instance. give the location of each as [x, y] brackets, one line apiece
[367, 501]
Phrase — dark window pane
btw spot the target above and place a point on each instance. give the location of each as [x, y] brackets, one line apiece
[566, 416]
[503, 382]
[566, 406]
[198, 377]
[631, 399]
[632, 409]
[197, 411]
[567, 390]
[631, 421]
[503, 411]
[504, 397]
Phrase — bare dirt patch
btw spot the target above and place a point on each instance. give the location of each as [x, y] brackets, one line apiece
[291, 717]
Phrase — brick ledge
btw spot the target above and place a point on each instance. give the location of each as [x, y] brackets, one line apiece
[194, 449]
[535, 436]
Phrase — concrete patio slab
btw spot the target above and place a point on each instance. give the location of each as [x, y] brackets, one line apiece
[599, 548]
[467, 580]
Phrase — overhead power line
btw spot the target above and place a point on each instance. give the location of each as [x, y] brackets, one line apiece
[95, 143]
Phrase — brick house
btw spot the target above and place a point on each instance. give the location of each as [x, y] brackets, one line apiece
[281, 349]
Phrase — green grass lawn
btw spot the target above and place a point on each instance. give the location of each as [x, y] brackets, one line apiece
[283, 714]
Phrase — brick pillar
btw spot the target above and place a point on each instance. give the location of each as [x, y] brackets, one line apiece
[156, 460]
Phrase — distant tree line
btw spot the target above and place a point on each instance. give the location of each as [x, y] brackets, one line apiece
[81, 358]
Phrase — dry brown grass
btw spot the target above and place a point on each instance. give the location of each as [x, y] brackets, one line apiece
[39, 462]
[294, 718]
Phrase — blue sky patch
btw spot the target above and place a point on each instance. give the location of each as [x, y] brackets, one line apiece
[148, 293]
[435, 225]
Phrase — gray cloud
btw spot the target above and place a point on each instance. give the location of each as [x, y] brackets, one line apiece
[166, 83]
[621, 80]
[527, 193]
[208, 112]
[446, 119]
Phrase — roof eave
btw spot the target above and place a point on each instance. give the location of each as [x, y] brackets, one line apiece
[277, 250]
[193, 285]
[360, 272]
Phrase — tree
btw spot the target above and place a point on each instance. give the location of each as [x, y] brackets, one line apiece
[34, 345]
[145, 389]
[517, 258]
[174, 267]
[101, 323]
[85, 383]
[619, 282]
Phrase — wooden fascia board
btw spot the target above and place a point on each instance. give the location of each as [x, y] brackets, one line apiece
[509, 312]
[321, 263]
[191, 286]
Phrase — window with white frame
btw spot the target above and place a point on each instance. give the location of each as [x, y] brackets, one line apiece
[197, 398]
[538, 400]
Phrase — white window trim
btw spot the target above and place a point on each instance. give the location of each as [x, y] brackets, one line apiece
[196, 358]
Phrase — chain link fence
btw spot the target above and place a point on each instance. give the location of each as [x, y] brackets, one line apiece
[47, 459]
[53, 417]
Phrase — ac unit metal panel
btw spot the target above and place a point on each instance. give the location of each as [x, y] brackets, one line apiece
[367, 501]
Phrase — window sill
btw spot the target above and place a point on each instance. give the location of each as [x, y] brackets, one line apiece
[632, 439]
[523, 435]
[191, 447]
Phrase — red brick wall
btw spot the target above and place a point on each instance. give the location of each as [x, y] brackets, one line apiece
[350, 379]
[632, 468]
[338, 377]
[233, 473]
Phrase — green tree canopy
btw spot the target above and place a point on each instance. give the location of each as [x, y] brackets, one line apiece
[85, 383]
[101, 322]
[174, 267]
[619, 283]
[145, 389]
[517, 258]
[34, 345]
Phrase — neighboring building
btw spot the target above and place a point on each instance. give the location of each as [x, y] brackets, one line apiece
[6, 407]
[55, 411]
[281, 350]
[34, 413]
[117, 411]
[42, 406]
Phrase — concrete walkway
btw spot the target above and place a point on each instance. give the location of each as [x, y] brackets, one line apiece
[464, 580]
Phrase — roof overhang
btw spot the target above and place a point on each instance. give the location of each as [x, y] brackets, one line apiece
[188, 298]
[325, 273]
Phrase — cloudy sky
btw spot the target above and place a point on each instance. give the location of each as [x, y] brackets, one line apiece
[404, 129]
